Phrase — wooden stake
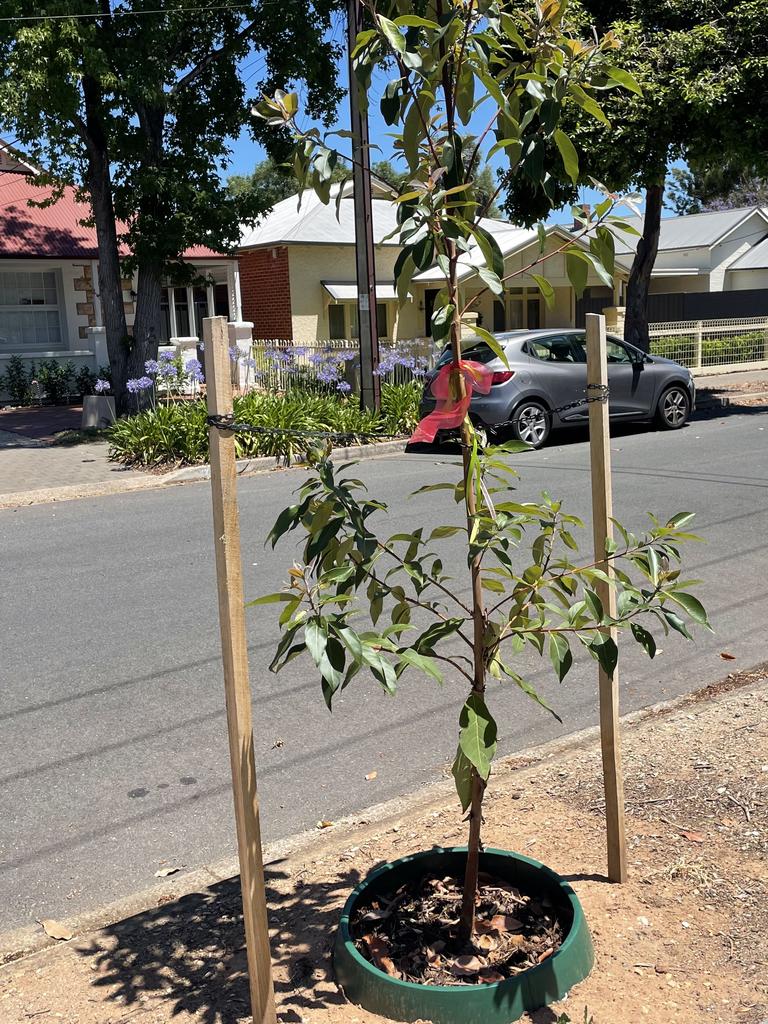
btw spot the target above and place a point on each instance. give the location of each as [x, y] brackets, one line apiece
[602, 510]
[229, 578]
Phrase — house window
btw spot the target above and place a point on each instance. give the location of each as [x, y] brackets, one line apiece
[29, 310]
[336, 326]
[381, 316]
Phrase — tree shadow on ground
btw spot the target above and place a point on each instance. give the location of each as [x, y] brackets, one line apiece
[190, 955]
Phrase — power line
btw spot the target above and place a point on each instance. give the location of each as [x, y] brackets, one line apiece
[134, 14]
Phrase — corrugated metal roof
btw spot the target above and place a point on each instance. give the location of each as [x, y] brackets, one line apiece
[755, 258]
[52, 231]
[314, 223]
[693, 231]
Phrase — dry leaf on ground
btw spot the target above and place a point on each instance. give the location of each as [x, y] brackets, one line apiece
[164, 872]
[55, 929]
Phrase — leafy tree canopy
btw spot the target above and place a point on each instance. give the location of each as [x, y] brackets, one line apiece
[716, 187]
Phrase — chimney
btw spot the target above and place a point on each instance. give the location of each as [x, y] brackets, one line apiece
[586, 209]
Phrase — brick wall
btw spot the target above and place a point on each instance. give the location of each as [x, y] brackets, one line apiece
[266, 291]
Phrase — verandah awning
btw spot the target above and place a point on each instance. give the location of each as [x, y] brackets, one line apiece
[346, 291]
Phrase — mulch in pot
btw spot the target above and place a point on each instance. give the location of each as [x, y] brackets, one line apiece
[413, 932]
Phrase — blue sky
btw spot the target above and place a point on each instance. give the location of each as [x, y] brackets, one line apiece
[246, 153]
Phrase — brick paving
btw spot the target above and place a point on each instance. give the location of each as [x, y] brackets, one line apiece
[24, 468]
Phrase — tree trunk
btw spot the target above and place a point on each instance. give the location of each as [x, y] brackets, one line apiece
[99, 184]
[149, 287]
[467, 920]
[636, 319]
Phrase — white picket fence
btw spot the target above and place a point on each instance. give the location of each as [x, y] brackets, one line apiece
[713, 346]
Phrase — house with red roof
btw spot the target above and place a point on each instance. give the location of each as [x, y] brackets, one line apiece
[49, 291]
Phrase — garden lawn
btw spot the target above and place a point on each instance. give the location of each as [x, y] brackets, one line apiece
[177, 433]
[683, 942]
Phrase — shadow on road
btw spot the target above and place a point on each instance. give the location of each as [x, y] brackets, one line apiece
[189, 953]
[563, 436]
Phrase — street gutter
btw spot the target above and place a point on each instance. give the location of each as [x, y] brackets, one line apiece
[23, 942]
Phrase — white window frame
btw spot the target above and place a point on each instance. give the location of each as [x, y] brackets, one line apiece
[19, 345]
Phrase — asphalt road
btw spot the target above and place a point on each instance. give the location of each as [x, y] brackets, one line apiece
[113, 758]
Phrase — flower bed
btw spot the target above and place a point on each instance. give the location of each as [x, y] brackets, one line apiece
[177, 433]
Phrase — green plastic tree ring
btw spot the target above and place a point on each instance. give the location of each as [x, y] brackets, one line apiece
[497, 1003]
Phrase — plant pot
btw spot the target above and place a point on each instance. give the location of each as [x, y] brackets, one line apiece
[497, 1003]
[98, 412]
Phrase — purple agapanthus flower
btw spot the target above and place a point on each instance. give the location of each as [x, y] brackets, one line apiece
[168, 371]
[234, 354]
[151, 366]
[344, 387]
[195, 370]
[101, 386]
[167, 357]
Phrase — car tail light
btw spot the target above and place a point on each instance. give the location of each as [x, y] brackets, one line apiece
[502, 376]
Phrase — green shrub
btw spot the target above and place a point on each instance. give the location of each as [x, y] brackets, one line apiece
[57, 379]
[17, 381]
[739, 348]
[178, 433]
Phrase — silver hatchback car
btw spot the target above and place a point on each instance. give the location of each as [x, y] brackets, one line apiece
[548, 369]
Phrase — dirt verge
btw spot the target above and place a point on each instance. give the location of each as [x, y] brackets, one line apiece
[683, 941]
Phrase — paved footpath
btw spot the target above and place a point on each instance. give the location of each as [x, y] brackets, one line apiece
[31, 467]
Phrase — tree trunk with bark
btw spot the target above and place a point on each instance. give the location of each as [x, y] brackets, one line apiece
[99, 184]
[146, 327]
[636, 317]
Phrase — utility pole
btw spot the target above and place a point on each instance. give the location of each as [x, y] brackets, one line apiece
[365, 257]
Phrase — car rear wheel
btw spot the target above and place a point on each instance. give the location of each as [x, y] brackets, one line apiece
[531, 422]
[674, 408]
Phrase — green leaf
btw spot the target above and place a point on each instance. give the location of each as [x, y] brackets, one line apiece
[422, 662]
[414, 21]
[577, 268]
[272, 599]
[315, 638]
[495, 586]
[676, 623]
[546, 289]
[286, 521]
[604, 648]
[568, 154]
[477, 736]
[492, 344]
[393, 34]
[530, 691]
[490, 249]
[560, 655]
[491, 280]
[594, 604]
[624, 79]
[352, 642]
[446, 531]
[442, 318]
[644, 638]
[462, 774]
[692, 605]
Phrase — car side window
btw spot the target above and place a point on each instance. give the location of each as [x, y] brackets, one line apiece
[556, 348]
[617, 353]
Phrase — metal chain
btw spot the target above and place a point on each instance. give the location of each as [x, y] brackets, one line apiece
[230, 424]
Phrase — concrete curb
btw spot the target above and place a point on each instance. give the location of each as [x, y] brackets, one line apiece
[24, 942]
[188, 474]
